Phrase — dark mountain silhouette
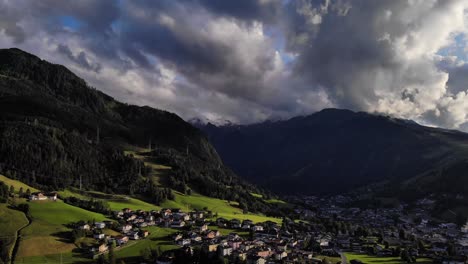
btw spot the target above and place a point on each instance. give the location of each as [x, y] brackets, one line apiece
[334, 150]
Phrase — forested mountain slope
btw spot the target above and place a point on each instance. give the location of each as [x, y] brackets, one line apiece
[56, 130]
[335, 150]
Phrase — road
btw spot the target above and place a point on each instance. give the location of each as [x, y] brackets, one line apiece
[343, 259]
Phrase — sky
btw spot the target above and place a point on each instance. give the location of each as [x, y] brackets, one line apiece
[247, 61]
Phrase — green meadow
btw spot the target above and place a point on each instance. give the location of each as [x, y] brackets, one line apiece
[159, 238]
[48, 233]
[374, 259]
[10, 222]
[17, 184]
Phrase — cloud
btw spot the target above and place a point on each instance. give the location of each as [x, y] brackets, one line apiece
[251, 60]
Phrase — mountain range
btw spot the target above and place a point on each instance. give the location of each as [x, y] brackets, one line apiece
[334, 151]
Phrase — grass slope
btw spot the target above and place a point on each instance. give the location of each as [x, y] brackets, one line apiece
[224, 208]
[160, 238]
[17, 184]
[48, 233]
[374, 259]
[10, 222]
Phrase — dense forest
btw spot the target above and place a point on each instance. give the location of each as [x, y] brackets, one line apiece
[56, 131]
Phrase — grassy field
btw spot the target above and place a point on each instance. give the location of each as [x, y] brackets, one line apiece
[270, 201]
[10, 222]
[17, 184]
[224, 208]
[375, 259]
[48, 233]
[160, 238]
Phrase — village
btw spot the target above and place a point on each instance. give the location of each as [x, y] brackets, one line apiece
[328, 233]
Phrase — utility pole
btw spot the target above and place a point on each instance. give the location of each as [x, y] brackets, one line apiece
[149, 144]
[80, 182]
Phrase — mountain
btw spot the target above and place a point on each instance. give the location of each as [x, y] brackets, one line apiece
[57, 132]
[335, 151]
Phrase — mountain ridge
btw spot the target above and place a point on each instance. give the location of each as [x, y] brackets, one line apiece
[337, 150]
[56, 132]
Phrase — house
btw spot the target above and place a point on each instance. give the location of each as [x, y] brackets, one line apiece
[256, 260]
[103, 248]
[178, 224]
[126, 228]
[235, 224]
[144, 233]
[257, 228]
[280, 255]
[212, 234]
[134, 236]
[226, 251]
[84, 227]
[203, 228]
[211, 247]
[40, 196]
[37, 196]
[100, 225]
[121, 240]
[99, 236]
[264, 253]
[184, 242]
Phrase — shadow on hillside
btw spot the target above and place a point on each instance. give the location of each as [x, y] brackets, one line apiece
[64, 236]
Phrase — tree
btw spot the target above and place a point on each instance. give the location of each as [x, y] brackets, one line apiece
[112, 259]
[20, 193]
[405, 256]
[402, 234]
[12, 190]
[28, 193]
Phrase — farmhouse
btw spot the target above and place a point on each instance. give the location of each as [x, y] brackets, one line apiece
[40, 196]
[100, 225]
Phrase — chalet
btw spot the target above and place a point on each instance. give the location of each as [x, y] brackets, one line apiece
[178, 224]
[203, 228]
[242, 256]
[126, 228]
[196, 214]
[100, 225]
[127, 210]
[212, 234]
[235, 224]
[121, 240]
[40, 196]
[280, 255]
[134, 236]
[184, 242]
[211, 247]
[103, 248]
[144, 233]
[226, 251]
[84, 227]
[235, 244]
[221, 222]
[257, 228]
[255, 260]
[99, 236]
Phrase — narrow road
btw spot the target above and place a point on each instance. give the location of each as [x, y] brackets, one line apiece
[343, 259]
[18, 238]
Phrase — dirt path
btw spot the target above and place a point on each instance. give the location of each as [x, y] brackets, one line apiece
[18, 238]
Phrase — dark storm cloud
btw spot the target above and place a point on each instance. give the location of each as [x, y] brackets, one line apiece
[79, 59]
[194, 43]
[9, 19]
